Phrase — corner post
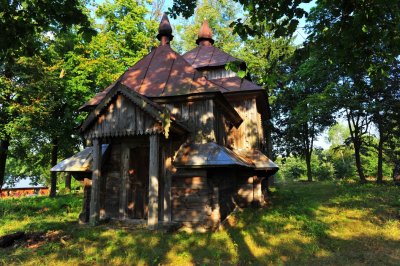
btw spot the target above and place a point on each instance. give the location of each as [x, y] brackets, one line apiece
[96, 176]
[152, 220]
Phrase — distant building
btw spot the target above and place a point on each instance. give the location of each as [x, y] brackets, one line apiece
[175, 139]
[22, 188]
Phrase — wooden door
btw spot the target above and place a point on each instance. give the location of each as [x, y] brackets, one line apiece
[138, 188]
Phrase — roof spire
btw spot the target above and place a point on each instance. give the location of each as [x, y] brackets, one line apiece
[205, 35]
[165, 31]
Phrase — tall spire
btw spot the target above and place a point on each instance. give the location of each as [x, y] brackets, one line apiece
[205, 35]
[165, 31]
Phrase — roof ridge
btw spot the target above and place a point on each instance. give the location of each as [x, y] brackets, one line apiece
[169, 75]
[147, 69]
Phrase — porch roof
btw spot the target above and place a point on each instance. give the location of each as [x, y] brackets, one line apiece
[207, 155]
[258, 159]
[214, 155]
[79, 162]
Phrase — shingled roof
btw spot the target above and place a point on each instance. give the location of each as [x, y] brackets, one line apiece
[161, 73]
[207, 55]
[236, 84]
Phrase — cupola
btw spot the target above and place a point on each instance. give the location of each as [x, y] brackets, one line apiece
[165, 31]
[205, 35]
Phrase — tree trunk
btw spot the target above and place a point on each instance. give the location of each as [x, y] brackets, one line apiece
[4, 144]
[308, 162]
[360, 171]
[68, 181]
[379, 177]
[53, 175]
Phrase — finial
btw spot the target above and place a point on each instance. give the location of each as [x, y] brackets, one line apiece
[205, 35]
[165, 31]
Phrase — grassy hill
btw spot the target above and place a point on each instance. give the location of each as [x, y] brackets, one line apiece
[317, 223]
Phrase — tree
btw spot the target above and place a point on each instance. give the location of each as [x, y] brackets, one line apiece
[361, 41]
[219, 15]
[74, 68]
[266, 58]
[281, 19]
[303, 107]
[22, 25]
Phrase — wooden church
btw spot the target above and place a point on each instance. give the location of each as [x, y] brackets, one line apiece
[176, 139]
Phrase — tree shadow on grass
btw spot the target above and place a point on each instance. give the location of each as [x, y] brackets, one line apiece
[293, 231]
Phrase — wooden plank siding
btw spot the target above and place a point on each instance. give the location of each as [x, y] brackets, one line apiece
[205, 119]
[250, 134]
[218, 73]
[123, 118]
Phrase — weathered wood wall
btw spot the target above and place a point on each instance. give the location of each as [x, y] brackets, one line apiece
[112, 177]
[191, 198]
[218, 73]
[198, 116]
[123, 118]
[204, 118]
[250, 133]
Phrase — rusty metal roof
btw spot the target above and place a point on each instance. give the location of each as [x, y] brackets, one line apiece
[161, 73]
[209, 56]
[80, 162]
[257, 158]
[234, 84]
[207, 155]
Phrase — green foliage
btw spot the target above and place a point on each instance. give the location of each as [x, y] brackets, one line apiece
[291, 168]
[272, 14]
[74, 68]
[322, 167]
[219, 15]
[294, 167]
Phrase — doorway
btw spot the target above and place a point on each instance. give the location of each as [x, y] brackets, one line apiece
[138, 180]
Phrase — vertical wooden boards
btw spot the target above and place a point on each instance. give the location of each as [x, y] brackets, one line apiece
[257, 194]
[84, 216]
[112, 173]
[123, 118]
[199, 117]
[218, 73]
[248, 135]
[152, 220]
[124, 181]
[215, 215]
[96, 176]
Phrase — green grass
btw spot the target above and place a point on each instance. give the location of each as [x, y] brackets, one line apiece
[307, 224]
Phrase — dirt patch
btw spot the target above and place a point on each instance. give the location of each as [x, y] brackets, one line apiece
[34, 239]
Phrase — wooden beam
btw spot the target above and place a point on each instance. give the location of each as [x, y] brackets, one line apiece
[96, 175]
[216, 214]
[152, 220]
[124, 180]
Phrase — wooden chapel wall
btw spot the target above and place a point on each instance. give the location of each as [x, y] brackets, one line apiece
[198, 116]
[111, 185]
[191, 198]
[113, 174]
[204, 119]
[122, 118]
[250, 134]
